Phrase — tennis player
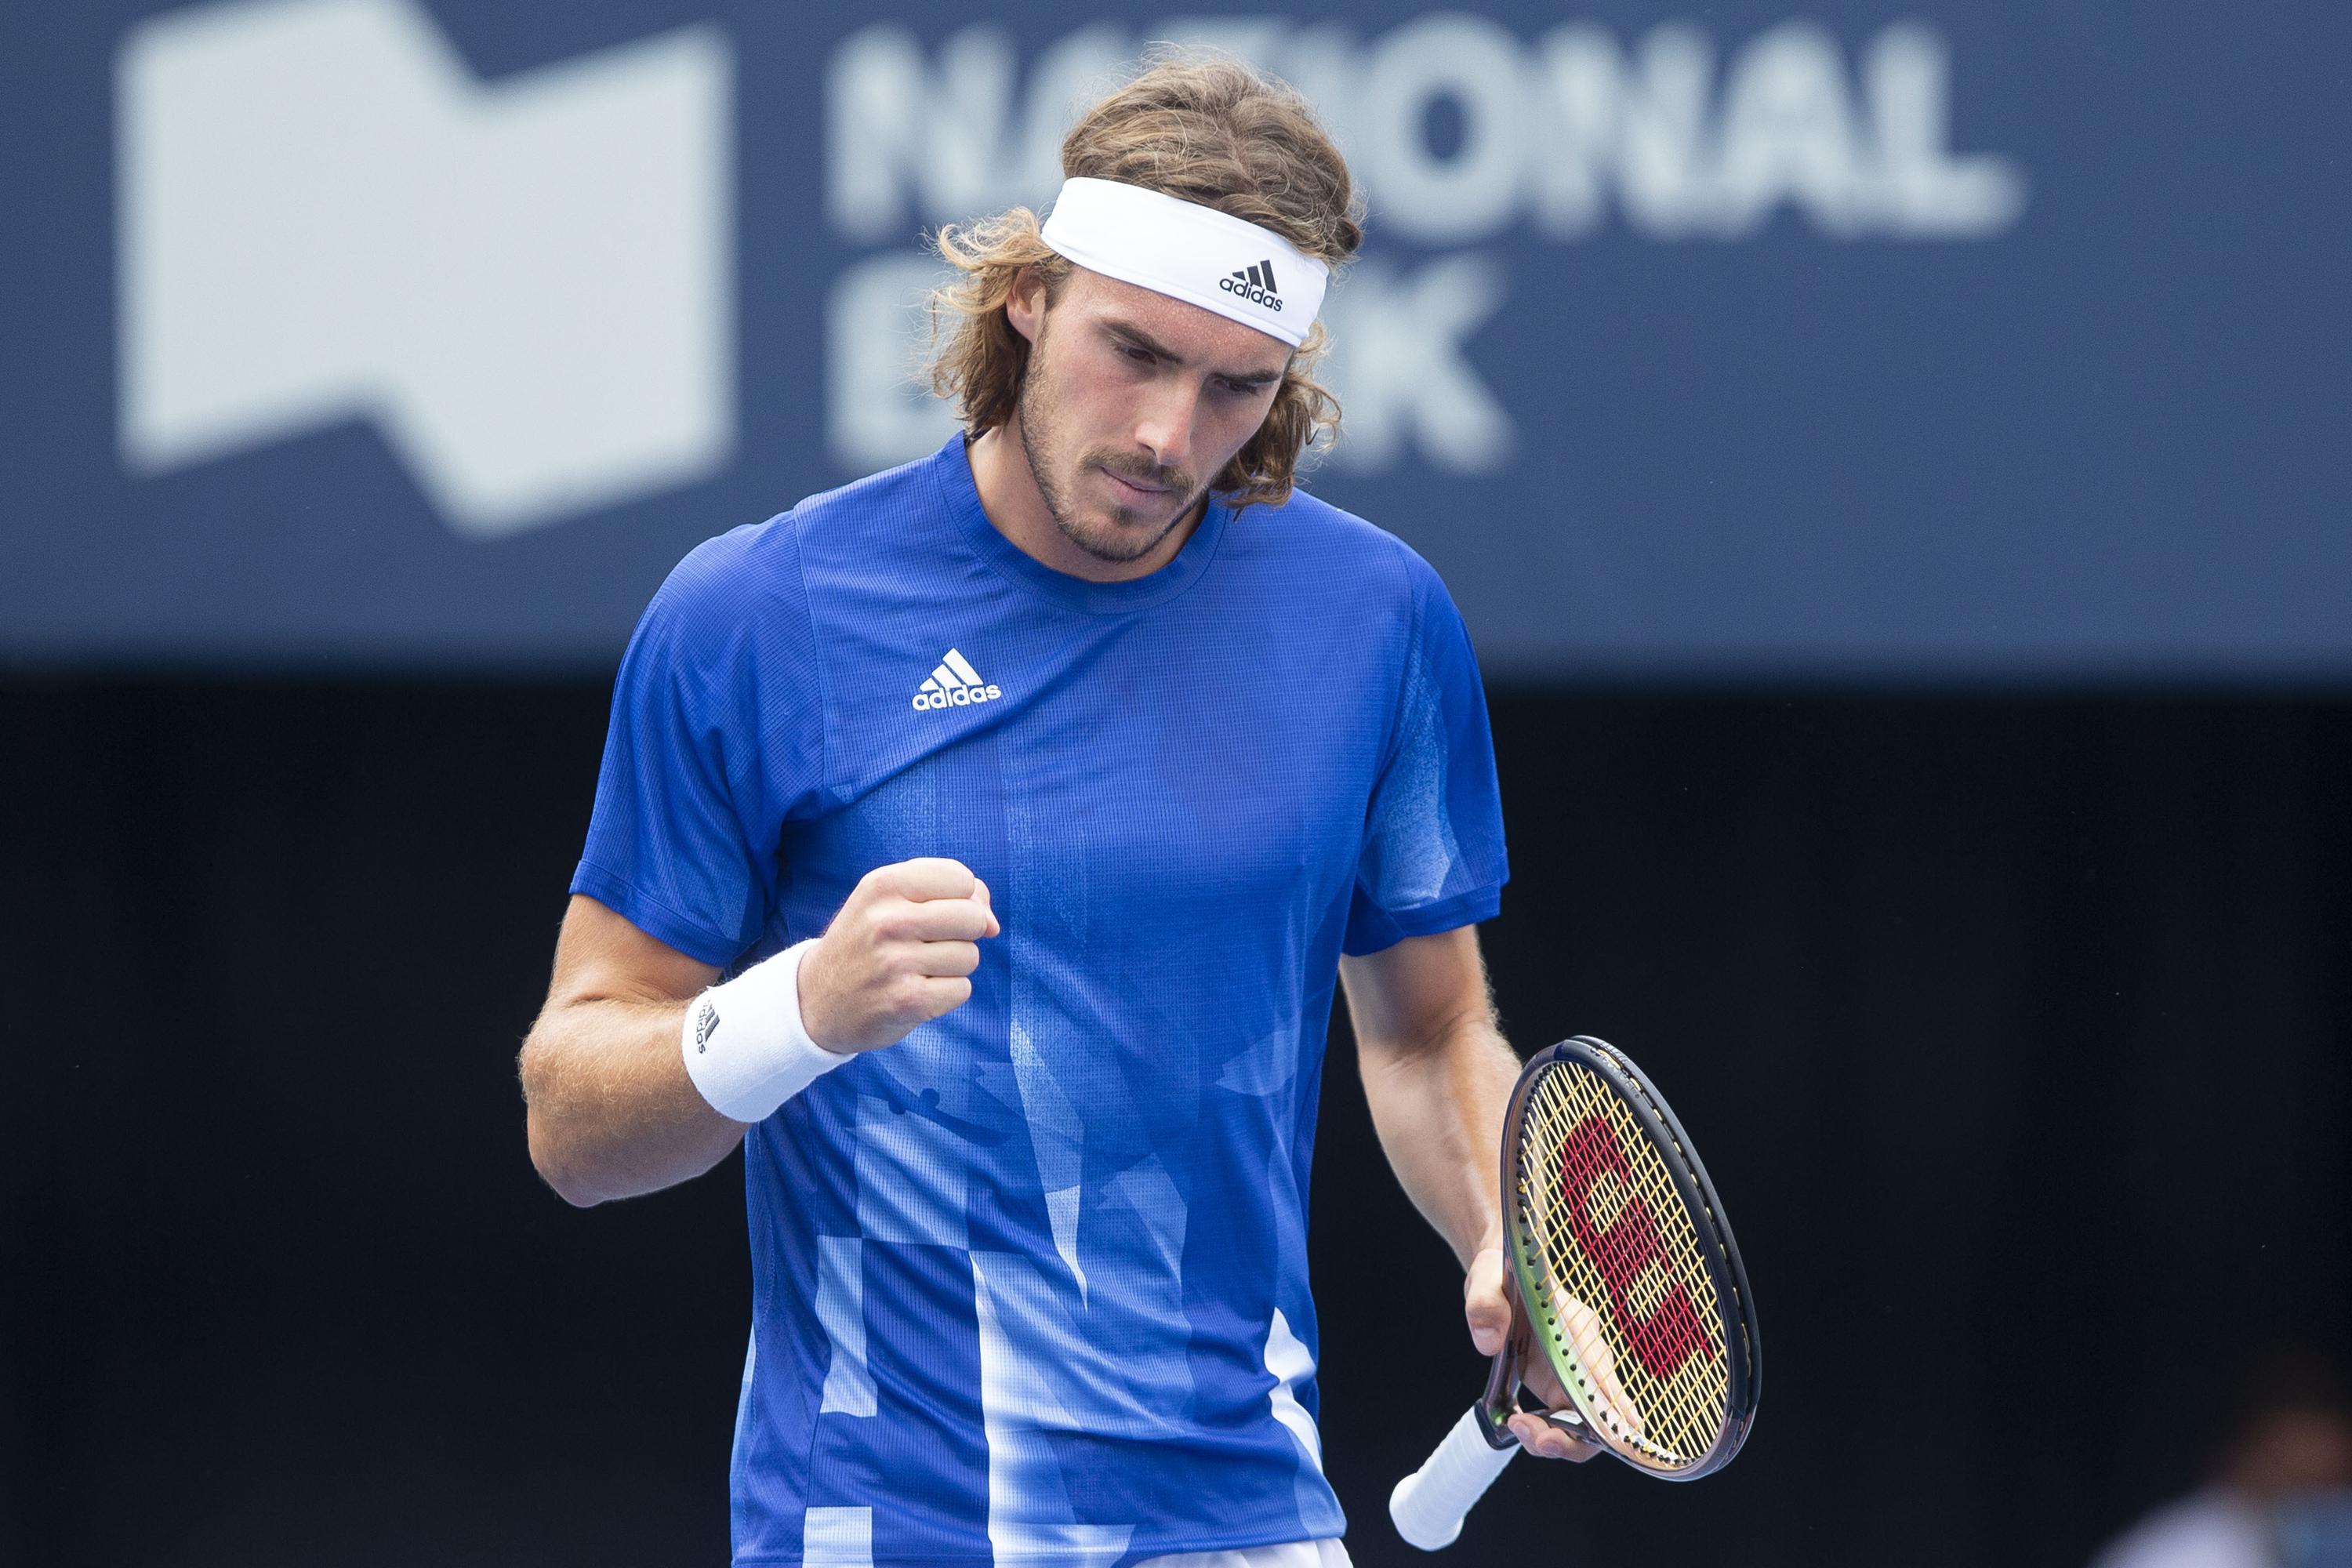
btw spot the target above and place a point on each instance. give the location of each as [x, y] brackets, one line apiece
[1030, 798]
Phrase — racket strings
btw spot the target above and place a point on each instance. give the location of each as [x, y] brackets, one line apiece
[1609, 1231]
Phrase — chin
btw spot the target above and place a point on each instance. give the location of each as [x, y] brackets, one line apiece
[1121, 533]
[1117, 538]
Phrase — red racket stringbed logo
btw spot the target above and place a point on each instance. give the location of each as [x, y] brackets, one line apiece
[1661, 1323]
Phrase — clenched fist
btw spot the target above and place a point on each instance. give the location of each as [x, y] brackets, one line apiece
[899, 954]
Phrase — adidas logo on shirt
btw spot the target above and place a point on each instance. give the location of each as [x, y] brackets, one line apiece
[1254, 283]
[955, 684]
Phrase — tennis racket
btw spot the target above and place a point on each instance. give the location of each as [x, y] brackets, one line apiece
[1622, 1267]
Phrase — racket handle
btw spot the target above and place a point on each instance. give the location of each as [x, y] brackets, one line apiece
[1428, 1505]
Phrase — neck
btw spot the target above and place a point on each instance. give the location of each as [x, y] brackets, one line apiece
[1015, 509]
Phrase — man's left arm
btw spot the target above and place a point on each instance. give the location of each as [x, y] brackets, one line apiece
[1438, 1076]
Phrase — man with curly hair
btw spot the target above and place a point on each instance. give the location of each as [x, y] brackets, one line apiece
[1033, 800]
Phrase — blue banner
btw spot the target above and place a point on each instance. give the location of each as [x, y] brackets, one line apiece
[1860, 342]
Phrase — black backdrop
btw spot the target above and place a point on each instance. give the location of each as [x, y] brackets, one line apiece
[2013, 1028]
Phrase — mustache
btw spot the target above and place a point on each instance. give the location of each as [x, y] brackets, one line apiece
[1155, 474]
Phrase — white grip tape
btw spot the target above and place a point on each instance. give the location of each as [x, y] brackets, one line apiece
[745, 1046]
[1429, 1504]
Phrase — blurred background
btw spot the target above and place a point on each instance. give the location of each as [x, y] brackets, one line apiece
[1892, 462]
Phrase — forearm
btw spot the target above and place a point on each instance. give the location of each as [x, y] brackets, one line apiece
[1438, 1107]
[612, 1113]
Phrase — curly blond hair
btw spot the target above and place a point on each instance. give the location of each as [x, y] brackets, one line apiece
[1200, 127]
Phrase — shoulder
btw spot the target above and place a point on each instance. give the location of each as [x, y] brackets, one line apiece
[759, 570]
[738, 579]
[1329, 552]
[877, 506]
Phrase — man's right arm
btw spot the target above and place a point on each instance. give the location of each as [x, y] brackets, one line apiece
[611, 1111]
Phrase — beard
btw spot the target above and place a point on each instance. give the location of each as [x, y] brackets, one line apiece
[1128, 535]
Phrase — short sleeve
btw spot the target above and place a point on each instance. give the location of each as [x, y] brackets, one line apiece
[1432, 856]
[716, 739]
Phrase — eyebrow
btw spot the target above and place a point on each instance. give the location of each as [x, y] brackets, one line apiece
[1149, 344]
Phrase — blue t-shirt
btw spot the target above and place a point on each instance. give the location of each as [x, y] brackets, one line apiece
[1030, 1286]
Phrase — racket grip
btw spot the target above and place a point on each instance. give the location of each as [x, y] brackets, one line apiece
[1428, 1505]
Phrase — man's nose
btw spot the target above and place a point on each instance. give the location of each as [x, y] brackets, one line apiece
[1165, 428]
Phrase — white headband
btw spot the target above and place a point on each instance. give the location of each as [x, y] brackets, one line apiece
[1189, 252]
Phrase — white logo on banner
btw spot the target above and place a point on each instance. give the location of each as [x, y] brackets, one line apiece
[1553, 134]
[527, 285]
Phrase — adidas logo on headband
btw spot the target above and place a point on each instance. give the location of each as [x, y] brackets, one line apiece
[1254, 283]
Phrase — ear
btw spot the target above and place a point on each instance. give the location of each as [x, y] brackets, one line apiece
[1024, 303]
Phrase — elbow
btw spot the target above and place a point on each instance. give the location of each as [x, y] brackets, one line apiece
[577, 1196]
[562, 1174]
[553, 1154]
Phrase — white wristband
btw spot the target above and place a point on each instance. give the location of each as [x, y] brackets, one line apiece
[745, 1046]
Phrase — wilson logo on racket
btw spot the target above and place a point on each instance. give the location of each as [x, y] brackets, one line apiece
[1662, 1326]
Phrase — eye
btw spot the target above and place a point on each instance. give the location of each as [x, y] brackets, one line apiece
[1129, 352]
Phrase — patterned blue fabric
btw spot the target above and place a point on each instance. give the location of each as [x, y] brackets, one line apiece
[1030, 1284]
